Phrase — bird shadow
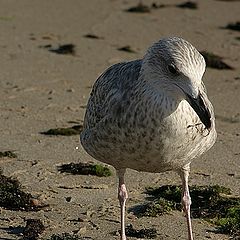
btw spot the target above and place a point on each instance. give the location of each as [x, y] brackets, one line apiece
[137, 210]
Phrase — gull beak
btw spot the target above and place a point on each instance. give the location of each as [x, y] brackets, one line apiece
[198, 105]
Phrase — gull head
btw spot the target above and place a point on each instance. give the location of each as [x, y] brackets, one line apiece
[174, 62]
[175, 67]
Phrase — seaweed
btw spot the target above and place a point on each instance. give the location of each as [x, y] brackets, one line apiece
[233, 26]
[74, 130]
[93, 36]
[64, 49]
[212, 203]
[9, 154]
[65, 236]
[156, 6]
[33, 229]
[231, 223]
[146, 233]
[188, 4]
[208, 202]
[167, 198]
[12, 197]
[169, 192]
[85, 169]
[67, 49]
[46, 46]
[214, 61]
[140, 8]
[157, 207]
[126, 49]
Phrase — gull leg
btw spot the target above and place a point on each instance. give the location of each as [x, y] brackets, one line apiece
[186, 199]
[122, 196]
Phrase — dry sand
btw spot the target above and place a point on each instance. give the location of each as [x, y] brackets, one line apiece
[40, 90]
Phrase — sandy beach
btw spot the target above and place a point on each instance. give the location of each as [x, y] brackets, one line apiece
[40, 90]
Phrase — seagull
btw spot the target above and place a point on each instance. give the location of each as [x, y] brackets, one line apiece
[151, 115]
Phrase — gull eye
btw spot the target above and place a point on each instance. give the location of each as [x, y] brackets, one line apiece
[172, 69]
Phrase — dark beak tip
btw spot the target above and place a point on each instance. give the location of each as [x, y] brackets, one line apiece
[201, 110]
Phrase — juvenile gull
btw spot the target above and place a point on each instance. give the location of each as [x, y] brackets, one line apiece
[151, 115]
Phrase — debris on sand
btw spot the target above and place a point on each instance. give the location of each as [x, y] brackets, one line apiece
[67, 49]
[189, 4]
[126, 49]
[93, 36]
[233, 26]
[74, 130]
[85, 169]
[12, 197]
[47, 46]
[140, 8]
[145, 233]
[33, 229]
[64, 49]
[214, 61]
[212, 203]
[66, 236]
[9, 154]
[156, 6]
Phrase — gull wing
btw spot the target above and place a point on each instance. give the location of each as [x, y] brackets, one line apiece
[111, 88]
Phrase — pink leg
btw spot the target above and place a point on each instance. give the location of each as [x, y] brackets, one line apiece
[122, 196]
[186, 199]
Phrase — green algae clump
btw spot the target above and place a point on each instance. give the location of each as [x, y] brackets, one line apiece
[231, 222]
[166, 199]
[212, 203]
[157, 208]
[85, 169]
